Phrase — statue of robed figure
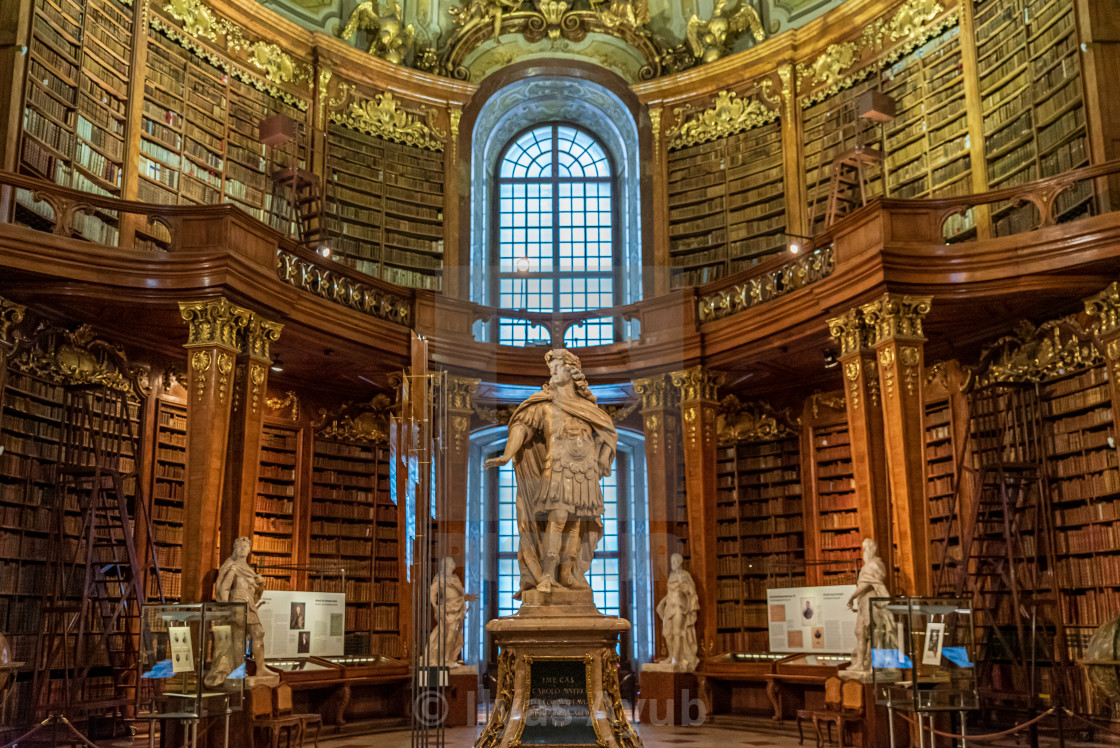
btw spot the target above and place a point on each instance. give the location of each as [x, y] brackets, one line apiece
[561, 444]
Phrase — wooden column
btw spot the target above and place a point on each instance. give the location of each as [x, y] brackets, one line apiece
[864, 409]
[1098, 29]
[793, 155]
[212, 350]
[656, 277]
[453, 514]
[659, 423]
[699, 403]
[894, 323]
[973, 112]
[247, 413]
[456, 268]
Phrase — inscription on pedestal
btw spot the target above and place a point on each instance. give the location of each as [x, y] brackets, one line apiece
[558, 712]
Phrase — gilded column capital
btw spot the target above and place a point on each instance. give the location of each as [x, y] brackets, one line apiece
[697, 383]
[460, 390]
[214, 322]
[1105, 306]
[895, 316]
[850, 330]
[259, 334]
[11, 314]
[655, 391]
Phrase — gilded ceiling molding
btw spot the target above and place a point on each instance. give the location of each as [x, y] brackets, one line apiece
[793, 275]
[910, 26]
[199, 22]
[727, 116]
[340, 289]
[697, 384]
[714, 38]
[214, 322]
[1033, 354]
[357, 422]
[390, 38]
[382, 118]
[896, 316]
[752, 422]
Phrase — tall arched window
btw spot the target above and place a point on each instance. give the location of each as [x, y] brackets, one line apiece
[556, 233]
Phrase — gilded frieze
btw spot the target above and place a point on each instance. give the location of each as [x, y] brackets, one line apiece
[752, 422]
[366, 422]
[1033, 354]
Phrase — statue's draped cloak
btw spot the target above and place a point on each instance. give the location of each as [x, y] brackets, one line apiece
[534, 466]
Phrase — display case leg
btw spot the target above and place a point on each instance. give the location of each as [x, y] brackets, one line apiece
[890, 724]
[964, 729]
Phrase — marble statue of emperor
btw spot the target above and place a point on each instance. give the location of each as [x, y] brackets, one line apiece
[561, 444]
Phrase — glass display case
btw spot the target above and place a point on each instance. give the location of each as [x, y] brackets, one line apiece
[922, 654]
[192, 660]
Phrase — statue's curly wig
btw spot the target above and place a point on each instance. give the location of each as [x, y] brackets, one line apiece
[571, 361]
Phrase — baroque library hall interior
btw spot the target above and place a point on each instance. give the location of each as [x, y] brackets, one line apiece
[613, 373]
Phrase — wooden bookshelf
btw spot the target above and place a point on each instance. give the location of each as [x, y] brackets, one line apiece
[30, 432]
[1032, 103]
[79, 65]
[726, 205]
[837, 514]
[354, 527]
[274, 531]
[759, 524]
[941, 491]
[386, 207]
[168, 487]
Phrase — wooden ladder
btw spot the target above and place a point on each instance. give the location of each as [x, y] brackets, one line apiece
[847, 187]
[305, 196]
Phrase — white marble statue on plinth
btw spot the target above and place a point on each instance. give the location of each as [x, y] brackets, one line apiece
[449, 601]
[678, 618]
[558, 666]
[871, 583]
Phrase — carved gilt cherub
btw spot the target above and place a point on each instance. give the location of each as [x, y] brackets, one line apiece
[390, 38]
[712, 39]
[622, 13]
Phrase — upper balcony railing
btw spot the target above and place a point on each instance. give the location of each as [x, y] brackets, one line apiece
[152, 231]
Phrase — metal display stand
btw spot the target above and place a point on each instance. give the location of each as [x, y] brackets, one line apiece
[923, 660]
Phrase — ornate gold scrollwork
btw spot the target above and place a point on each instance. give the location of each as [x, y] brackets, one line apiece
[503, 702]
[850, 330]
[655, 391]
[290, 400]
[697, 383]
[752, 422]
[389, 37]
[74, 357]
[896, 316]
[11, 314]
[341, 289]
[383, 119]
[828, 400]
[727, 116]
[1105, 307]
[1033, 354]
[361, 422]
[712, 39]
[200, 363]
[259, 335]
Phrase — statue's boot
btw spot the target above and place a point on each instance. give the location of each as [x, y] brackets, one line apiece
[566, 575]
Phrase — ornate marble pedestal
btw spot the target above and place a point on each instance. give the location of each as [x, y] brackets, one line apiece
[558, 676]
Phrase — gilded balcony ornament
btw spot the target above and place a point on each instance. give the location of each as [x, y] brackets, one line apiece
[390, 38]
[740, 422]
[728, 115]
[792, 276]
[340, 289]
[382, 118]
[712, 39]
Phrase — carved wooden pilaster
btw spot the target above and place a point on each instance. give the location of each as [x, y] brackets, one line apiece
[247, 413]
[213, 344]
[457, 431]
[660, 414]
[894, 323]
[863, 405]
[657, 274]
[11, 314]
[699, 395]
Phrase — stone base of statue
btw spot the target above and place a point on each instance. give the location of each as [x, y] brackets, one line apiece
[668, 697]
[462, 696]
[558, 676]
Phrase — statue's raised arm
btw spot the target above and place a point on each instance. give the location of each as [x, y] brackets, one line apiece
[561, 444]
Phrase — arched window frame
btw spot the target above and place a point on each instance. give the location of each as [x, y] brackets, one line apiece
[556, 273]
